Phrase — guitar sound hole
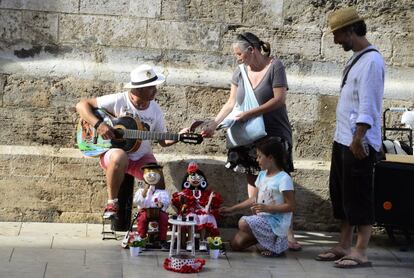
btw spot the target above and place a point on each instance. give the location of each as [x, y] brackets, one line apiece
[119, 134]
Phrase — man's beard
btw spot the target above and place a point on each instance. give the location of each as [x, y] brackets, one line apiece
[347, 46]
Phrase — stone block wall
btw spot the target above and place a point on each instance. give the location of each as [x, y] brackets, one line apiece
[53, 53]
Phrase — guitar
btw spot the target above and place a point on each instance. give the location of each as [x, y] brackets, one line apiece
[129, 133]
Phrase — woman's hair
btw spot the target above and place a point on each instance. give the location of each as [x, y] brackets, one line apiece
[274, 147]
[247, 39]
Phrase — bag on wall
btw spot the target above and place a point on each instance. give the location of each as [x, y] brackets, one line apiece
[243, 133]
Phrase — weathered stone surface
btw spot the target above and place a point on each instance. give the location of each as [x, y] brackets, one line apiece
[184, 36]
[109, 7]
[145, 8]
[295, 104]
[175, 10]
[403, 54]
[263, 12]
[199, 61]
[10, 25]
[313, 140]
[2, 82]
[26, 93]
[5, 166]
[312, 191]
[20, 166]
[305, 41]
[40, 27]
[68, 6]
[101, 30]
[218, 11]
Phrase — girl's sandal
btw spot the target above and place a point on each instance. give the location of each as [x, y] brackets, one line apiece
[267, 253]
[294, 246]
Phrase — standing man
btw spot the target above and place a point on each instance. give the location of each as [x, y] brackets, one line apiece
[357, 139]
[138, 103]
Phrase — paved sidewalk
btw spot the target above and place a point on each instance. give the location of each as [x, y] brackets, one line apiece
[77, 250]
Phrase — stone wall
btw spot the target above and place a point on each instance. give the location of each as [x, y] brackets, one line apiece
[53, 53]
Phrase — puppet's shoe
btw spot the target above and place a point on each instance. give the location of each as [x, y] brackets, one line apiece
[203, 246]
[110, 210]
[189, 246]
[165, 246]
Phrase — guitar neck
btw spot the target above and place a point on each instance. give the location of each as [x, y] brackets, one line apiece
[149, 135]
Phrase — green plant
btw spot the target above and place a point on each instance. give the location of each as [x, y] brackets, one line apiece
[138, 242]
[214, 243]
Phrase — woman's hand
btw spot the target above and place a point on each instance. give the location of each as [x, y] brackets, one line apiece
[209, 129]
[243, 116]
[184, 130]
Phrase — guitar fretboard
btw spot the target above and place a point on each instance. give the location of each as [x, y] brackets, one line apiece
[149, 135]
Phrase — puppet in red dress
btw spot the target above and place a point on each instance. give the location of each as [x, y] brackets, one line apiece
[196, 200]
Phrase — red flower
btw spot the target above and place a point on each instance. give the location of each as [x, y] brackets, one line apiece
[192, 167]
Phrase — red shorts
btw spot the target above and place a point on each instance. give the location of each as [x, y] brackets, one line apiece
[134, 166]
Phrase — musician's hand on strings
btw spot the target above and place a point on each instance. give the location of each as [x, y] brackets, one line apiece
[106, 131]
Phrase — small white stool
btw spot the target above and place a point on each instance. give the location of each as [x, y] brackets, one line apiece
[176, 233]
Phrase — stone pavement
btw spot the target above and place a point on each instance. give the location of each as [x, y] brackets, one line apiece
[77, 250]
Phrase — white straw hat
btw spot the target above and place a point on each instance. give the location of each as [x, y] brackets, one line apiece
[144, 76]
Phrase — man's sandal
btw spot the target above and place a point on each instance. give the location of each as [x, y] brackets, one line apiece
[356, 263]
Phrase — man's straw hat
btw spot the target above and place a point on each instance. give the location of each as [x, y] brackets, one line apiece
[342, 18]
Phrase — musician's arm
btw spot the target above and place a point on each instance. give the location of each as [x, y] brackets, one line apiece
[167, 143]
[85, 109]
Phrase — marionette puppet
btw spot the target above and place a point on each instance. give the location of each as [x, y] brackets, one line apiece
[153, 201]
[197, 201]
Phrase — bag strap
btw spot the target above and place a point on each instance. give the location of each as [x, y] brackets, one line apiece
[248, 87]
[353, 63]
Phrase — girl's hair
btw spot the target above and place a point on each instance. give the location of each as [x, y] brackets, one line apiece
[274, 147]
[247, 39]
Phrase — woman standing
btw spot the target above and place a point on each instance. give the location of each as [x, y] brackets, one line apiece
[267, 77]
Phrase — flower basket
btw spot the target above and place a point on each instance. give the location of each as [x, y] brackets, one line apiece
[214, 243]
[214, 253]
[136, 245]
[134, 251]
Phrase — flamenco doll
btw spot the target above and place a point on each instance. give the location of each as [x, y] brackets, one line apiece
[153, 201]
[197, 201]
